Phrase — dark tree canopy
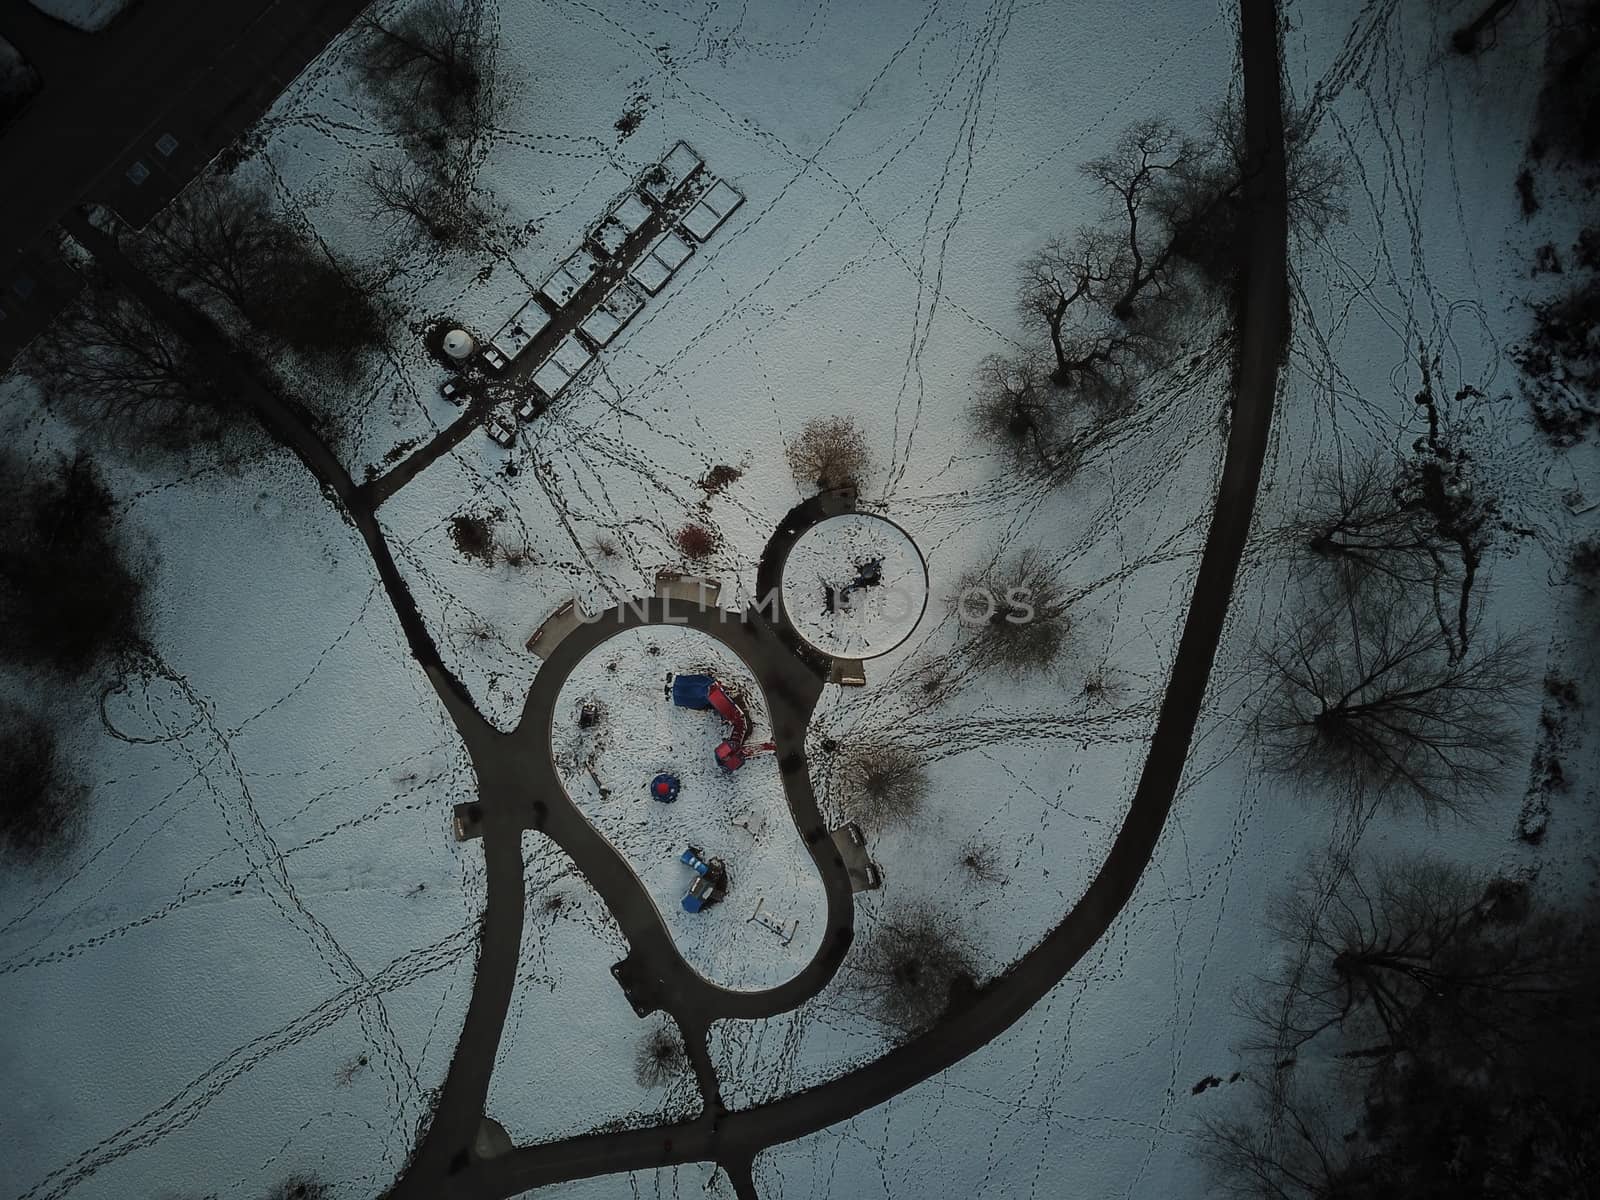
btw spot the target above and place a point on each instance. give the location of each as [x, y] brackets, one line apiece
[222, 240]
[882, 785]
[1431, 1033]
[129, 382]
[41, 800]
[69, 594]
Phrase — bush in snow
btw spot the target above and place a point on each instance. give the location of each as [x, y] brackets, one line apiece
[69, 594]
[831, 452]
[299, 1187]
[659, 1058]
[1458, 1015]
[473, 535]
[1371, 699]
[882, 785]
[905, 971]
[982, 863]
[41, 800]
[1013, 615]
[695, 541]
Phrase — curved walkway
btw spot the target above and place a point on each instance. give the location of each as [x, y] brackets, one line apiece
[1261, 313]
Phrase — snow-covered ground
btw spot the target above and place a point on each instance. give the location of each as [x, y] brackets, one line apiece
[899, 158]
[855, 586]
[741, 817]
[91, 16]
[543, 1086]
[258, 958]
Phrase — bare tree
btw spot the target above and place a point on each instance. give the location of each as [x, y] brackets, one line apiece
[1013, 615]
[41, 796]
[1359, 521]
[1062, 294]
[222, 241]
[1410, 957]
[830, 452]
[1015, 407]
[1147, 155]
[299, 1187]
[433, 70]
[113, 370]
[1456, 1025]
[1368, 700]
[882, 785]
[907, 969]
[659, 1059]
[438, 199]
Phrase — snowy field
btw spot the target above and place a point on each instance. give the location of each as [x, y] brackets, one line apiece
[269, 877]
[741, 817]
[265, 942]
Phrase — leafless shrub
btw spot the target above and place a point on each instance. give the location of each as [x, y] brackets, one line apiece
[907, 967]
[1013, 615]
[660, 1058]
[831, 452]
[603, 545]
[982, 863]
[695, 541]
[349, 1070]
[882, 785]
[1369, 702]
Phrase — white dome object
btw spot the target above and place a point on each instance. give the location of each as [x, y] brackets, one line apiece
[854, 586]
[458, 344]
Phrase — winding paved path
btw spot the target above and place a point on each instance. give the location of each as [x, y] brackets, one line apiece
[519, 788]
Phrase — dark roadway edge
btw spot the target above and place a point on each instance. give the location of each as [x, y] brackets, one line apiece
[1262, 315]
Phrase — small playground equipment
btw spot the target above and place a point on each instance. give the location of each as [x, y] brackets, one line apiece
[703, 691]
[783, 931]
[710, 883]
[664, 787]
